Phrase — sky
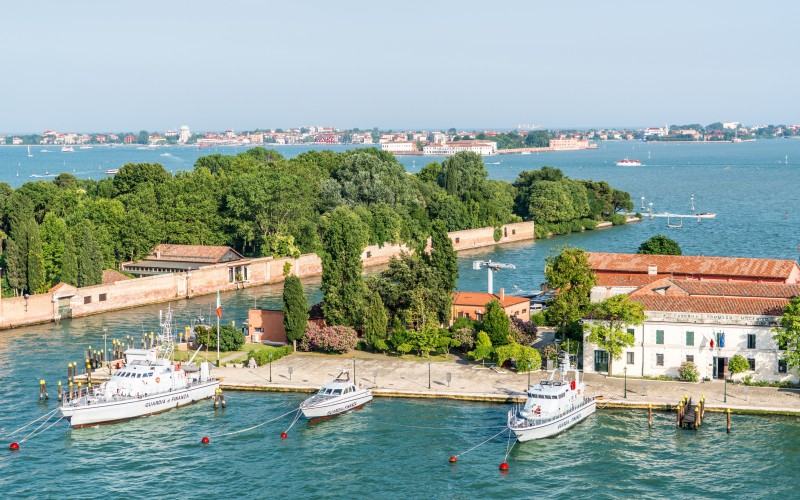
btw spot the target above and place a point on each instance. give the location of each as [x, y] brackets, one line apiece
[93, 66]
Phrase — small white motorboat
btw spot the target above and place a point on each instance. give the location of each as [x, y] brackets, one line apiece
[553, 405]
[337, 396]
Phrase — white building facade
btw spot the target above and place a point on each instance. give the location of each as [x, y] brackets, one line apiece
[667, 339]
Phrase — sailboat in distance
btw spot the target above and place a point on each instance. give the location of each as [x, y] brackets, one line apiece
[30, 155]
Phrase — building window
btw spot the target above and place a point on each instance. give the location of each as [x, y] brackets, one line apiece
[513, 231]
[630, 358]
[458, 240]
[631, 331]
[659, 336]
[230, 275]
[369, 254]
[479, 316]
[689, 338]
[659, 360]
[752, 362]
[751, 340]
[782, 368]
[87, 300]
[102, 297]
[690, 358]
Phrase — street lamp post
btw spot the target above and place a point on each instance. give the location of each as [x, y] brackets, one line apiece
[270, 367]
[625, 372]
[429, 370]
[725, 377]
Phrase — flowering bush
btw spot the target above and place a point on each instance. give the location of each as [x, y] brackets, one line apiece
[524, 332]
[688, 372]
[466, 337]
[329, 339]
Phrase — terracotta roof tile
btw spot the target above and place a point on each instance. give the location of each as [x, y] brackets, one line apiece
[189, 253]
[627, 279]
[112, 276]
[481, 299]
[713, 305]
[684, 265]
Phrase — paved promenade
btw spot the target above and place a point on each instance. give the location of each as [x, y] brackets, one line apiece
[391, 376]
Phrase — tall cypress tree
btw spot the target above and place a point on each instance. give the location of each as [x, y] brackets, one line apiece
[443, 257]
[343, 286]
[14, 266]
[295, 310]
[375, 320]
[90, 259]
[35, 259]
[69, 265]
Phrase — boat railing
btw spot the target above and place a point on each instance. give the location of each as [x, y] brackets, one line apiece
[84, 396]
[516, 421]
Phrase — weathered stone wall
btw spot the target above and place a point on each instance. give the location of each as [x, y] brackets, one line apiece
[124, 294]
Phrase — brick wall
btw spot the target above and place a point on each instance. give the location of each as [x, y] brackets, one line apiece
[43, 308]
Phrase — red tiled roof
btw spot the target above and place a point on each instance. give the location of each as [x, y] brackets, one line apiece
[632, 279]
[692, 265]
[112, 276]
[713, 305]
[481, 299]
[189, 253]
[740, 289]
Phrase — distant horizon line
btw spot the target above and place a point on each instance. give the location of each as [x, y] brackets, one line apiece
[383, 129]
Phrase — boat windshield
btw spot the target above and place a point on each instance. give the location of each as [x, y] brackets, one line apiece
[336, 392]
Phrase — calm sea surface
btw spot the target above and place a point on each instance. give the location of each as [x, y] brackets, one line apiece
[399, 447]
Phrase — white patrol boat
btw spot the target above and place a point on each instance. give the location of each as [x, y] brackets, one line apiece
[337, 396]
[553, 405]
[148, 383]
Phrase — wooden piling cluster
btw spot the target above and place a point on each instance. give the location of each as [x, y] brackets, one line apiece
[690, 415]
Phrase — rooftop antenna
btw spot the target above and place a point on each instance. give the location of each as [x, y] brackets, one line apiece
[490, 266]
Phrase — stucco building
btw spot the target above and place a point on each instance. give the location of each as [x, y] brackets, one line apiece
[472, 305]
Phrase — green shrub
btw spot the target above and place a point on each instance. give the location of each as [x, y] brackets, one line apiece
[589, 224]
[498, 233]
[738, 364]
[617, 219]
[262, 356]
[688, 372]
[538, 319]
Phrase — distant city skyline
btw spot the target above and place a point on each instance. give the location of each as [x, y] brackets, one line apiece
[242, 65]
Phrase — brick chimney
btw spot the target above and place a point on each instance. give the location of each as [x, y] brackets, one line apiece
[652, 270]
[502, 295]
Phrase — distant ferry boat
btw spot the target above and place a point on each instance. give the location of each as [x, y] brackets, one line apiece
[67, 149]
[627, 162]
[112, 171]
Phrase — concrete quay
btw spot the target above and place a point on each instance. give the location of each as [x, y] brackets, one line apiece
[395, 377]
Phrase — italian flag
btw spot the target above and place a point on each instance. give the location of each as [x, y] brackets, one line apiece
[219, 306]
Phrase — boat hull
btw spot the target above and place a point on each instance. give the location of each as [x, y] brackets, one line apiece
[128, 408]
[336, 406]
[527, 430]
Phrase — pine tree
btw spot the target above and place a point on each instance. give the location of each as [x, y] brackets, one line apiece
[295, 310]
[90, 259]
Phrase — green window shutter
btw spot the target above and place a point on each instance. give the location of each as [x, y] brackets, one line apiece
[659, 336]
[689, 338]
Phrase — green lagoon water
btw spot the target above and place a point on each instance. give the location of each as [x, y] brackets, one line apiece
[397, 447]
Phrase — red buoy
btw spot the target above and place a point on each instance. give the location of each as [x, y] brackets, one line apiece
[453, 459]
[14, 447]
[205, 440]
[284, 435]
[504, 467]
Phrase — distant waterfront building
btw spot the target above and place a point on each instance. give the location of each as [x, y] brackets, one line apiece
[568, 144]
[184, 134]
[399, 147]
[483, 148]
[730, 125]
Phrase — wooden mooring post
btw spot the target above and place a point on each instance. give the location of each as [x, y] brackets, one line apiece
[728, 412]
[650, 416]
